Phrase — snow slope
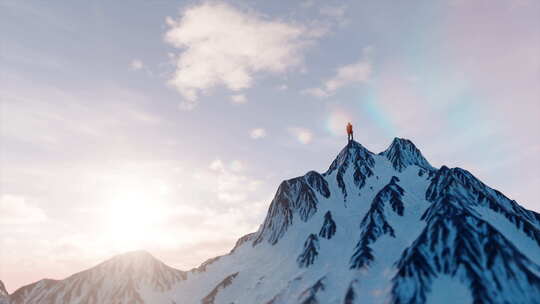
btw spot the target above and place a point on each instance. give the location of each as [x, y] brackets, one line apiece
[374, 228]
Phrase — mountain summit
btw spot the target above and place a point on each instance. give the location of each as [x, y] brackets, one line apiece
[403, 153]
[373, 228]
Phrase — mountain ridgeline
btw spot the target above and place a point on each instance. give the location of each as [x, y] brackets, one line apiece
[373, 228]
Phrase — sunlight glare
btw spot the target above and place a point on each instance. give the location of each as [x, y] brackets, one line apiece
[134, 216]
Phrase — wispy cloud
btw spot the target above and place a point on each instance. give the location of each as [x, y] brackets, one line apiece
[62, 117]
[136, 65]
[257, 133]
[317, 92]
[303, 135]
[222, 45]
[239, 99]
[231, 185]
[16, 210]
[357, 72]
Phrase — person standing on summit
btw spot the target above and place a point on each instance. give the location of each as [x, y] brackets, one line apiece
[349, 132]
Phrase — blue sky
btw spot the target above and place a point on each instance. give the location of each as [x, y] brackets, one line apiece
[168, 125]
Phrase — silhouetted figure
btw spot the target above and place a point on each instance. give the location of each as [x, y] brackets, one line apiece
[349, 132]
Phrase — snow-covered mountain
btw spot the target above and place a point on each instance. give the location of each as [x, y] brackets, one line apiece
[126, 278]
[374, 228]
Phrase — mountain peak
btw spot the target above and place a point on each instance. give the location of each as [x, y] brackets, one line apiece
[136, 261]
[356, 158]
[353, 151]
[402, 153]
[135, 254]
[356, 146]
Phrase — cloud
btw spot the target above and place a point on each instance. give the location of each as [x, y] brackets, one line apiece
[222, 45]
[217, 165]
[303, 135]
[357, 72]
[136, 65]
[16, 211]
[239, 99]
[237, 166]
[317, 92]
[65, 118]
[228, 183]
[257, 133]
[354, 73]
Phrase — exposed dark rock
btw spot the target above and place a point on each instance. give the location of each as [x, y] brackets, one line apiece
[375, 223]
[309, 296]
[350, 296]
[356, 157]
[457, 243]
[210, 298]
[246, 238]
[205, 264]
[295, 197]
[328, 228]
[318, 183]
[310, 252]
[402, 153]
[472, 192]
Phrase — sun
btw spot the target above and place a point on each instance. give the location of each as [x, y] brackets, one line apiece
[133, 218]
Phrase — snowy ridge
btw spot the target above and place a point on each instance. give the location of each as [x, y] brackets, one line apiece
[296, 196]
[403, 153]
[246, 238]
[469, 189]
[374, 228]
[210, 298]
[459, 244]
[360, 160]
[375, 223]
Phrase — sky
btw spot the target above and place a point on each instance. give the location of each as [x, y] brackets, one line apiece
[168, 125]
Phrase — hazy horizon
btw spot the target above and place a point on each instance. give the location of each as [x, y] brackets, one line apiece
[167, 126]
